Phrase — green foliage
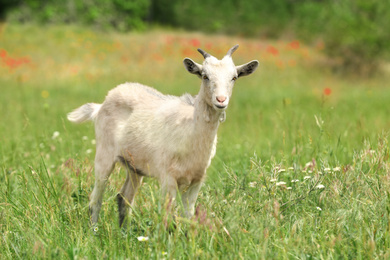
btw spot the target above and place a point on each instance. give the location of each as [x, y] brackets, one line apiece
[356, 34]
[353, 31]
[133, 13]
[163, 12]
[119, 14]
[245, 17]
[5, 6]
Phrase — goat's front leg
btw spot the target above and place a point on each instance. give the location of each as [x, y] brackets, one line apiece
[189, 198]
[169, 190]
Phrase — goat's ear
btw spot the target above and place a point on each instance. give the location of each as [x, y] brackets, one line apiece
[248, 68]
[193, 67]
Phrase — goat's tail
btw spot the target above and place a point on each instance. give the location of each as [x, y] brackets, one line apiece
[86, 112]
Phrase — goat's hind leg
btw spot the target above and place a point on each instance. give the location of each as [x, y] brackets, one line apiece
[103, 169]
[126, 196]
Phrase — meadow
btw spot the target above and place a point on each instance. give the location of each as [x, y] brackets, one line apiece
[302, 168]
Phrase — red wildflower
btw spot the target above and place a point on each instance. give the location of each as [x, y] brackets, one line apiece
[3, 53]
[195, 42]
[272, 50]
[12, 63]
[294, 44]
[327, 91]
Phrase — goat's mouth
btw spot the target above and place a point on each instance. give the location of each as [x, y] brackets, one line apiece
[220, 106]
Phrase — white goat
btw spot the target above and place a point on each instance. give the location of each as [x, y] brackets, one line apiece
[170, 138]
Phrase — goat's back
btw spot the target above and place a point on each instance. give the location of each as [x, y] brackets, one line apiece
[138, 120]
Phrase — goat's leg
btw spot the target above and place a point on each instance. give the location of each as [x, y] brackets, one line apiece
[189, 198]
[169, 191]
[103, 169]
[126, 196]
[169, 188]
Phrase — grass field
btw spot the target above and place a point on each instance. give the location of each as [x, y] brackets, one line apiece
[302, 169]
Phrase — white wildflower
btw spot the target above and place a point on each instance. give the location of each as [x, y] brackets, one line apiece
[95, 229]
[280, 183]
[85, 138]
[336, 169]
[93, 141]
[320, 209]
[306, 177]
[141, 238]
[89, 151]
[164, 253]
[319, 121]
[273, 180]
[310, 172]
[294, 180]
[252, 184]
[291, 168]
[327, 170]
[320, 186]
[281, 170]
[55, 135]
[289, 188]
[309, 164]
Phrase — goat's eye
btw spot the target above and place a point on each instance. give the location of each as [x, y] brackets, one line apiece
[205, 77]
[234, 78]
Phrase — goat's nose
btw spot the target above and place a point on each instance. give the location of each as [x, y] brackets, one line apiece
[221, 99]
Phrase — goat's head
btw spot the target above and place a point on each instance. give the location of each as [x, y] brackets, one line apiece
[218, 76]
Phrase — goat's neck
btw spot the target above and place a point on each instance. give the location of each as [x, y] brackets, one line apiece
[206, 118]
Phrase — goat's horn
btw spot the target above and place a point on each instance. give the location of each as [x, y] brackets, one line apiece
[233, 49]
[205, 54]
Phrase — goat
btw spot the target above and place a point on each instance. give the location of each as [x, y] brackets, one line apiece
[170, 138]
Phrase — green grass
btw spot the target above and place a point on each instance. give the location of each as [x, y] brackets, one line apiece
[251, 205]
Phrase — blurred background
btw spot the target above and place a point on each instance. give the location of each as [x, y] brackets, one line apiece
[353, 32]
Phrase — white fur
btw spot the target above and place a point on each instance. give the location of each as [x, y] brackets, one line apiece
[170, 138]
